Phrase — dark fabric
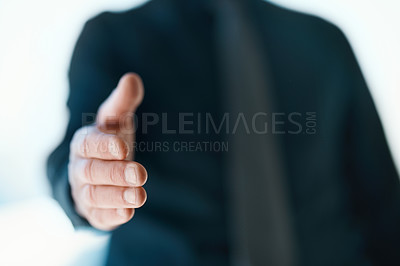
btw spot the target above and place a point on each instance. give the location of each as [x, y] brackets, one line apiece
[260, 211]
[344, 190]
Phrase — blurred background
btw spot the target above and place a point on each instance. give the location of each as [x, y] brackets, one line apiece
[36, 43]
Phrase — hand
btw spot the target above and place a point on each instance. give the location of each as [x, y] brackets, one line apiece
[106, 184]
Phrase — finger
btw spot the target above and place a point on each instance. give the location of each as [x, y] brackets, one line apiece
[113, 197]
[108, 219]
[89, 142]
[122, 101]
[116, 173]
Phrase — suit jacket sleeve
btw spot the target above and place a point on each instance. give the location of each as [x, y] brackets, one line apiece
[93, 73]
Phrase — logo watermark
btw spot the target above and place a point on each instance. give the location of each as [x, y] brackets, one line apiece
[185, 124]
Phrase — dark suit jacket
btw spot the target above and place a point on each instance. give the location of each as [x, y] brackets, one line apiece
[344, 190]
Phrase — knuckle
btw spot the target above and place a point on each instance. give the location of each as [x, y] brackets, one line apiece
[84, 148]
[117, 147]
[74, 175]
[95, 218]
[90, 214]
[115, 173]
[70, 173]
[88, 171]
[104, 219]
[89, 195]
[79, 141]
[99, 217]
[75, 194]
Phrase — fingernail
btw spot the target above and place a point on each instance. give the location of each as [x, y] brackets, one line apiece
[130, 196]
[121, 212]
[131, 175]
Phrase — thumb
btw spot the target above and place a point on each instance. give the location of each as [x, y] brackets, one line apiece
[123, 101]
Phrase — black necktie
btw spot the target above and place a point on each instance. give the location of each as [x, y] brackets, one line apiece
[260, 210]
